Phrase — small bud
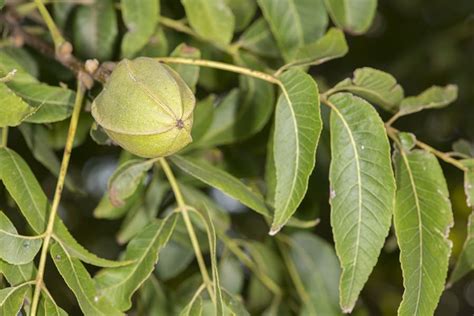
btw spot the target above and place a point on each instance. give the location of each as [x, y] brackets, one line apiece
[91, 65]
[146, 108]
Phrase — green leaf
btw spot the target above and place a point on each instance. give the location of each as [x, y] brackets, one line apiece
[11, 299]
[16, 249]
[119, 284]
[267, 263]
[362, 190]
[231, 274]
[145, 211]
[233, 305]
[318, 270]
[21, 61]
[294, 23]
[141, 18]
[16, 274]
[223, 120]
[296, 135]
[332, 45]
[465, 262]
[98, 134]
[157, 45]
[81, 284]
[62, 12]
[33, 204]
[463, 147]
[190, 74]
[95, 30]
[204, 216]
[221, 180]
[51, 103]
[13, 110]
[194, 308]
[243, 112]
[422, 220]
[175, 258]
[469, 181]
[126, 178]
[354, 16]
[200, 200]
[203, 116]
[433, 98]
[36, 138]
[375, 86]
[211, 19]
[259, 40]
[152, 299]
[47, 307]
[244, 11]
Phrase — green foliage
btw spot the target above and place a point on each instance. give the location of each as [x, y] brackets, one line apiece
[226, 228]
[422, 220]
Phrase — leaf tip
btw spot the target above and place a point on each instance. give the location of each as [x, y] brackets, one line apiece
[347, 309]
[275, 229]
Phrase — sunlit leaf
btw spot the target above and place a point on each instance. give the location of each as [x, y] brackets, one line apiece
[95, 30]
[16, 58]
[332, 45]
[13, 110]
[422, 220]
[362, 191]
[81, 284]
[190, 74]
[14, 248]
[221, 180]
[51, 103]
[36, 137]
[469, 181]
[294, 23]
[355, 16]
[47, 307]
[32, 202]
[296, 135]
[118, 284]
[211, 19]
[141, 19]
[375, 86]
[11, 299]
[433, 98]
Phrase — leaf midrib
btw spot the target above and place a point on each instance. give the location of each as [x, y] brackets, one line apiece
[359, 183]
[420, 228]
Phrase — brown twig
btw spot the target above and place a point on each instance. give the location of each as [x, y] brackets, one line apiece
[66, 58]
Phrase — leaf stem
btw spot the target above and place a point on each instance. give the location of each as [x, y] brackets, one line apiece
[4, 137]
[58, 39]
[221, 66]
[393, 132]
[189, 226]
[57, 194]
